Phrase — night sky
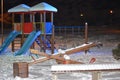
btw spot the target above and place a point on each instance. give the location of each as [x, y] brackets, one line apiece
[77, 12]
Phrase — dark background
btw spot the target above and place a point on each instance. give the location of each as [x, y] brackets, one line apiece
[95, 12]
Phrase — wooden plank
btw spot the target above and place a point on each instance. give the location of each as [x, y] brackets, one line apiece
[80, 48]
[64, 61]
[39, 53]
[84, 67]
[60, 57]
[39, 61]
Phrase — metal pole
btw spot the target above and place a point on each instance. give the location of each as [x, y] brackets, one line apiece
[2, 20]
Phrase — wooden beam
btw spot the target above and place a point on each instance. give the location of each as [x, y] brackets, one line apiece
[84, 67]
[57, 57]
[60, 57]
[81, 48]
[39, 53]
[39, 61]
[62, 60]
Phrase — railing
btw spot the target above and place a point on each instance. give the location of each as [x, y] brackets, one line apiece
[68, 29]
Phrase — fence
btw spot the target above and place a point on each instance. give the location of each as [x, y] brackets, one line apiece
[68, 29]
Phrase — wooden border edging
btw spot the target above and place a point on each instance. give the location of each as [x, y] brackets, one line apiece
[94, 68]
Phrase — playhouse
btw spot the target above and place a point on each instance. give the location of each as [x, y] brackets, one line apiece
[28, 21]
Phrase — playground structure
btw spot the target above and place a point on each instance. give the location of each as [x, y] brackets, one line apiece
[62, 56]
[26, 30]
[26, 33]
[38, 32]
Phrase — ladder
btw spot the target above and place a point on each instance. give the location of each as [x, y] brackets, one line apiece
[16, 44]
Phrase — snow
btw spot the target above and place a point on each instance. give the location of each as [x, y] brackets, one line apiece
[66, 57]
[42, 71]
[83, 67]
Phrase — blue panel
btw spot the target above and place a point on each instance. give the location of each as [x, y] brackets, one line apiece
[48, 27]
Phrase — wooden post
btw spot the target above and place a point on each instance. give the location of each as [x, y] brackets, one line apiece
[34, 27]
[22, 25]
[52, 39]
[13, 29]
[20, 69]
[44, 25]
[52, 44]
[86, 33]
[96, 75]
[2, 19]
[40, 26]
[33, 19]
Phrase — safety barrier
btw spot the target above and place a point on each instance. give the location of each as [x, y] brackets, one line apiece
[68, 29]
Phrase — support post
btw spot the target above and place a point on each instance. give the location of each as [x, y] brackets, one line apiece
[96, 75]
[2, 19]
[13, 49]
[22, 25]
[44, 25]
[52, 44]
[52, 39]
[86, 33]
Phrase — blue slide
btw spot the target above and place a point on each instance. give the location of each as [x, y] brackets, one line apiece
[8, 40]
[27, 44]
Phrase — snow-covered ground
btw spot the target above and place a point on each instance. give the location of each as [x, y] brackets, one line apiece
[41, 71]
